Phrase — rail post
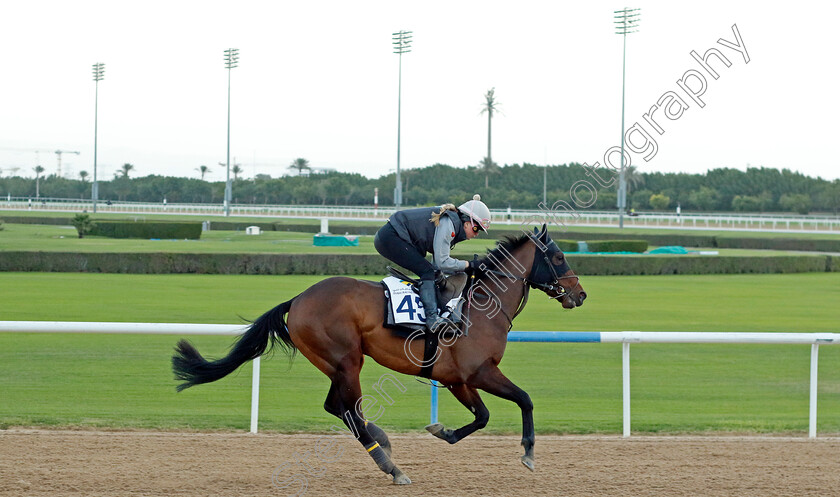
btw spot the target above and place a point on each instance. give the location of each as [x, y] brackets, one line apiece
[812, 401]
[625, 388]
[255, 394]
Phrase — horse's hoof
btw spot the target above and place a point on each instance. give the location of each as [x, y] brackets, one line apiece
[400, 478]
[528, 461]
[436, 429]
[442, 433]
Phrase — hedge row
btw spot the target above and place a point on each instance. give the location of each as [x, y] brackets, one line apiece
[699, 240]
[264, 226]
[166, 263]
[637, 246]
[147, 230]
[681, 264]
[778, 244]
[723, 241]
[61, 221]
[169, 263]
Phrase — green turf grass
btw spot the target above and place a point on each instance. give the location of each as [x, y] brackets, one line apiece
[125, 380]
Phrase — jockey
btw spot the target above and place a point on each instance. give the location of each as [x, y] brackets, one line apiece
[412, 233]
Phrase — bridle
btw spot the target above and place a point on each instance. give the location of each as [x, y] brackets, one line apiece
[538, 267]
[552, 284]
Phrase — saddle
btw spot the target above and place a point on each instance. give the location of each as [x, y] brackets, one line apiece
[448, 287]
[406, 318]
[403, 310]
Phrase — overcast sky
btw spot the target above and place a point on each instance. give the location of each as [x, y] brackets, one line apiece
[318, 80]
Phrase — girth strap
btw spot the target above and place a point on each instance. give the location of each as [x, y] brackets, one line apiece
[430, 346]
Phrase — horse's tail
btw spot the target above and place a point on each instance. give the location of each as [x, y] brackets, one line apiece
[267, 331]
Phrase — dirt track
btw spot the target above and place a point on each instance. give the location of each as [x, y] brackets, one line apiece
[76, 463]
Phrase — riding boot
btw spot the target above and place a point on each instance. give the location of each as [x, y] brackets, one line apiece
[428, 295]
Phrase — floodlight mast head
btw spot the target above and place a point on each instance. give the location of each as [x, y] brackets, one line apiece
[231, 58]
[402, 41]
[627, 21]
[98, 71]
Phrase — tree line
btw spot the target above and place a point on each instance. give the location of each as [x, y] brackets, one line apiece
[519, 186]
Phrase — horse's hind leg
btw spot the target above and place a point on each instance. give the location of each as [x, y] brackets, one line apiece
[380, 436]
[349, 392]
[469, 397]
[333, 406]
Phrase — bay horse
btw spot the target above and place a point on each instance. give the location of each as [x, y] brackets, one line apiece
[336, 322]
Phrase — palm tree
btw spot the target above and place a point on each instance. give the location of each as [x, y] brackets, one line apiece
[38, 170]
[236, 170]
[83, 175]
[83, 224]
[490, 106]
[633, 178]
[203, 170]
[125, 169]
[487, 167]
[300, 164]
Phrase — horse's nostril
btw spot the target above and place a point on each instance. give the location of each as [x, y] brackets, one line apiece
[582, 296]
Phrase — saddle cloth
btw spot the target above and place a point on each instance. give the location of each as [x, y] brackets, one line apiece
[403, 307]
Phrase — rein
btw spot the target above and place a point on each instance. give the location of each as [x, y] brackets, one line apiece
[522, 301]
[528, 282]
[554, 285]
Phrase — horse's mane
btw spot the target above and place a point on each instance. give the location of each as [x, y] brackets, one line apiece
[509, 244]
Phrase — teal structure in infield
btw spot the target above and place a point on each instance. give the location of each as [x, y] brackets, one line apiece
[321, 240]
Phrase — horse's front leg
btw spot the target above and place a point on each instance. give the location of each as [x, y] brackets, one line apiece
[494, 382]
[468, 396]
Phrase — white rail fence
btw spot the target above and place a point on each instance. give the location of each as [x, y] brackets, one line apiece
[624, 337]
[722, 221]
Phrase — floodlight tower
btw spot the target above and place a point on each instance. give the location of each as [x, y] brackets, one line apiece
[402, 44]
[58, 154]
[231, 60]
[98, 75]
[626, 22]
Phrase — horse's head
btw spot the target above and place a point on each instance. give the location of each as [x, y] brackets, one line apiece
[551, 273]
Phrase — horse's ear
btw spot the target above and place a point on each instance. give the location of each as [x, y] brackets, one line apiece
[536, 232]
[543, 232]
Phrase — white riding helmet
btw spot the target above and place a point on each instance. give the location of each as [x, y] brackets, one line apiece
[478, 212]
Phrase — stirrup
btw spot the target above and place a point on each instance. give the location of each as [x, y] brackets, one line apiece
[433, 326]
[443, 326]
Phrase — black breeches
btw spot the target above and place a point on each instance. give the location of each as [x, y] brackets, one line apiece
[389, 244]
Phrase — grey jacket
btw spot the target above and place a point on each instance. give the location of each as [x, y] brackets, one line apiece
[414, 226]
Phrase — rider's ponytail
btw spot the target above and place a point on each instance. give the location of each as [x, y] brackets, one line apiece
[443, 208]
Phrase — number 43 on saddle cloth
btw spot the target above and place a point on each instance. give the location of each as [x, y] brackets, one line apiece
[403, 307]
